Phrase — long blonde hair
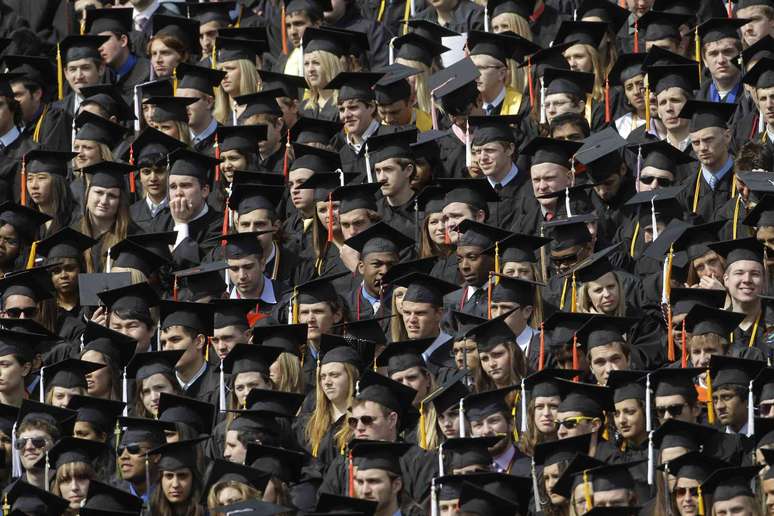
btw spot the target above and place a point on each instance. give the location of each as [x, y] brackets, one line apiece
[292, 377]
[321, 419]
[518, 25]
[331, 66]
[587, 307]
[249, 81]
[598, 93]
[422, 89]
[247, 492]
[117, 231]
[397, 327]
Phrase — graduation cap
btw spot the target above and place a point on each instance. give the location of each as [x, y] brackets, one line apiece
[728, 370]
[58, 417]
[290, 85]
[279, 462]
[566, 233]
[661, 204]
[231, 312]
[159, 88]
[655, 25]
[286, 337]
[109, 98]
[51, 161]
[140, 429]
[477, 234]
[220, 471]
[596, 265]
[557, 80]
[391, 145]
[703, 114]
[764, 384]
[100, 413]
[355, 197]
[500, 46]
[253, 507]
[73, 48]
[716, 29]
[369, 330]
[168, 109]
[550, 57]
[475, 192]
[65, 243]
[412, 46]
[34, 69]
[661, 155]
[197, 414]
[244, 358]
[16, 343]
[241, 245]
[661, 78]
[336, 349]
[674, 381]
[72, 449]
[129, 254]
[252, 178]
[764, 47]
[727, 483]
[103, 499]
[588, 399]
[423, 288]
[185, 30]
[421, 265]
[314, 130]
[32, 283]
[329, 504]
[523, 9]
[381, 455]
[281, 403]
[761, 75]
[326, 40]
[514, 290]
[151, 147]
[612, 14]
[574, 473]
[674, 433]
[318, 290]
[694, 239]
[257, 33]
[68, 373]
[108, 174]
[211, 11]
[693, 465]
[390, 394]
[488, 129]
[402, 355]
[177, 455]
[483, 404]
[8, 416]
[449, 394]
[196, 316]
[627, 385]
[233, 49]
[118, 21]
[544, 383]
[469, 451]
[199, 78]
[189, 163]
[24, 220]
[702, 320]
[491, 333]
[550, 150]
[602, 330]
[202, 281]
[393, 86]
[515, 489]
[581, 33]
[135, 298]
[145, 365]
[23, 498]
[739, 249]
[764, 432]
[355, 85]
[601, 153]
[455, 86]
[379, 238]
[554, 452]
[475, 500]
[613, 476]
[118, 347]
[316, 159]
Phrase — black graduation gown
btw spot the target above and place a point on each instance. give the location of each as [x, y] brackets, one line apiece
[354, 162]
[55, 128]
[726, 212]
[378, 35]
[417, 465]
[446, 269]
[139, 74]
[394, 10]
[67, 104]
[503, 213]
[200, 234]
[207, 145]
[467, 16]
[205, 385]
[267, 14]
[528, 217]
[10, 160]
[70, 324]
[141, 215]
[362, 308]
[274, 162]
[710, 200]
[476, 304]
[402, 218]
[452, 154]
[613, 214]
[545, 25]
[330, 111]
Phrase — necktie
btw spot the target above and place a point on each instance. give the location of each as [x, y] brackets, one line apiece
[489, 108]
[713, 181]
[142, 21]
[498, 187]
[549, 216]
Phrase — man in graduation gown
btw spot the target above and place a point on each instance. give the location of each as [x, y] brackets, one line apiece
[262, 108]
[720, 48]
[198, 83]
[81, 66]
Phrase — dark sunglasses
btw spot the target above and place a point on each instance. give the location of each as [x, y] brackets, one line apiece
[569, 259]
[572, 422]
[662, 181]
[366, 420]
[36, 442]
[133, 449]
[674, 410]
[682, 491]
[15, 313]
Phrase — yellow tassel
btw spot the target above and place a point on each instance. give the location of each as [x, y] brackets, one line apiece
[295, 305]
[697, 51]
[174, 82]
[634, 239]
[696, 188]
[574, 301]
[497, 257]
[33, 251]
[59, 83]
[238, 22]
[406, 16]
[587, 490]
[735, 224]
[6, 505]
[39, 124]
[564, 292]
[668, 280]
[214, 58]
[513, 415]
[733, 187]
[647, 104]
[380, 14]
[422, 430]
[710, 404]
[701, 502]
[606, 430]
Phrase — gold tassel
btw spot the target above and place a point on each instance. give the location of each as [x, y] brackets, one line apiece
[295, 305]
[174, 82]
[422, 430]
[587, 490]
[513, 415]
[701, 502]
[697, 50]
[710, 403]
[497, 257]
[573, 301]
[647, 104]
[59, 83]
[214, 58]
[33, 252]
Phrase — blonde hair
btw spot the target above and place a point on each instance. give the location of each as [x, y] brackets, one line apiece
[249, 81]
[247, 492]
[598, 93]
[67, 472]
[292, 377]
[183, 132]
[118, 229]
[422, 89]
[585, 305]
[135, 275]
[331, 66]
[397, 326]
[321, 419]
[516, 23]
[430, 427]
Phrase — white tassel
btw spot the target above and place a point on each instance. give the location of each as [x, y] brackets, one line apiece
[761, 123]
[46, 468]
[567, 202]
[413, 8]
[543, 118]
[16, 469]
[158, 336]
[341, 176]
[109, 261]
[486, 18]
[535, 488]
[462, 418]
[648, 415]
[468, 152]
[750, 411]
[523, 407]
[433, 498]
[42, 393]
[653, 217]
[639, 167]
[369, 174]
[125, 393]
[222, 389]
[137, 111]
[664, 282]
[574, 15]
[391, 55]
[650, 458]
[233, 114]
[440, 460]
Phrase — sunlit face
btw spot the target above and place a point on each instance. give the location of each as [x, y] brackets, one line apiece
[711, 146]
[579, 59]
[546, 408]
[629, 417]
[152, 387]
[74, 489]
[247, 381]
[549, 178]
[551, 474]
[233, 449]
[177, 485]
[718, 56]
[669, 103]
[449, 421]
[744, 280]
[737, 506]
[421, 320]
[35, 443]
[335, 382]
[102, 203]
[163, 59]
[231, 81]
[606, 358]
[99, 383]
[604, 294]
[88, 153]
[60, 396]
[82, 72]
[687, 496]
[319, 317]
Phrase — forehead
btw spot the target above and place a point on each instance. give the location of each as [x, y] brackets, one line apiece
[547, 170]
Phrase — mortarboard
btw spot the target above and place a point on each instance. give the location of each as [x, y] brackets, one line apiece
[586, 398]
[51, 161]
[231, 312]
[139, 297]
[108, 98]
[196, 316]
[379, 238]
[285, 404]
[393, 86]
[158, 88]
[548, 453]
[518, 248]
[475, 500]
[483, 404]
[287, 337]
[24, 220]
[25, 499]
[118, 347]
[183, 29]
[481, 235]
[455, 86]
[34, 69]
[501, 46]
[601, 153]
[382, 455]
[8, 416]
[290, 85]
[655, 25]
[189, 163]
[469, 451]
[663, 201]
[683, 299]
[151, 147]
[412, 46]
[226, 471]
[661, 155]
[202, 281]
[716, 29]
[574, 473]
[488, 129]
[72, 449]
[325, 39]
[390, 394]
[566, 233]
[761, 75]
[693, 465]
[33, 283]
[145, 365]
[544, 383]
[253, 508]
[68, 373]
[211, 11]
[430, 30]
[703, 114]
[369, 330]
[233, 49]
[627, 385]
[491, 333]
[355, 85]
[103, 499]
[612, 14]
[355, 197]
[550, 150]
[764, 384]
[199, 78]
[449, 394]
[399, 356]
[314, 130]
[602, 330]
[118, 21]
[244, 358]
[578, 84]
[391, 145]
[675, 381]
[515, 489]
[421, 265]
[336, 349]
[65, 243]
[98, 412]
[318, 290]
[197, 414]
[177, 455]
[694, 239]
[330, 504]
[596, 265]
[661, 78]
[523, 9]
[674, 433]
[764, 47]
[728, 370]
[58, 417]
[108, 174]
[702, 320]
[581, 33]
[738, 250]
[168, 109]
[128, 253]
[423, 288]
[139, 429]
[73, 48]
[279, 462]
[317, 159]
[727, 483]
[241, 245]
[613, 476]
[514, 290]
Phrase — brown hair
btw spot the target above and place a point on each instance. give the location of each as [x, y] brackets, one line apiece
[171, 42]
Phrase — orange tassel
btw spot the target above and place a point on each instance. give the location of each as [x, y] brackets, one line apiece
[217, 157]
[636, 36]
[23, 195]
[730, 9]
[174, 289]
[283, 31]
[529, 83]
[446, 237]
[575, 356]
[132, 187]
[607, 101]
[542, 353]
[224, 229]
[683, 348]
[351, 474]
[330, 217]
[670, 336]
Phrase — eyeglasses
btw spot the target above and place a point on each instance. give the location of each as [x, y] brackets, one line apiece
[662, 181]
[36, 442]
[15, 313]
[682, 491]
[366, 420]
[133, 449]
[674, 410]
[561, 260]
[572, 422]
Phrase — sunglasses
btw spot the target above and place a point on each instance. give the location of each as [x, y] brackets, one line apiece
[132, 449]
[569, 259]
[674, 410]
[16, 313]
[572, 422]
[36, 442]
[683, 491]
[366, 420]
[662, 181]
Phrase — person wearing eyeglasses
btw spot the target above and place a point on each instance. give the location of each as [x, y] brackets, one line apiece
[730, 383]
[581, 412]
[674, 394]
[138, 437]
[686, 474]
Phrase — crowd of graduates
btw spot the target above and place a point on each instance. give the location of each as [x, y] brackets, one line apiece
[387, 257]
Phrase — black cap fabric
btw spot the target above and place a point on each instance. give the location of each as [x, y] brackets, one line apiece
[95, 128]
[573, 474]
[325, 39]
[422, 288]
[381, 455]
[455, 86]
[51, 161]
[151, 147]
[177, 455]
[492, 333]
[738, 250]
[596, 265]
[716, 29]
[26, 499]
[117, 20]
[190, 163]
[725, 484]
[202, 281]
[477, 234]
[185, 30]
[474, 500]
[602, 330]
[98, 412]
[475, 192]
[581, 33]
[130, 254]
[159, 88]
[196, 316]
[554, 452]
[355, 85]
[169, 109]
[588, 399]
[612, 477]
[71, 449]
[65, 243]
[233, 49]
[318, 290]
[197, 414]
[414, 47]
[33, 283]
[514, 290]
[34, 69]
[683, 299]
[566, 233]
[319, 160]
[285, 404]
[108, 97]
[248, 358]
[705, 114]
[337, 349]
[761, 75]
[231, 312]
[290, 85]
[523, 9]
[462, 452]
[728, 370]
[675, 381]
[483, 404]
[287, 337]
[501, 46]
[379, 238]
[627, 385]
[103, 498]
[674, 433]
[664, 200]
[693, 465]
[211, 11]
[58, 417]
[764, 47]
[118, 347]
[24, 220]
[279, 462]
[578, 84]
[518, 248]
[226, 471]
[488, 129]
[355, 197]
[702, 320]
[544, 383]
[661, 78]
[392, 86]
[390, 394]
[655, 25]
[402, 355]
[198, 78]
[612, 14]
[108, 174]
[661, 155]
[68, 373]
[449, 394]
[140, 429]
[138, 297]
[145, 365]
[550, 150]
[314, 130]
[73, 48]
[391, 145]
[241, 245]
